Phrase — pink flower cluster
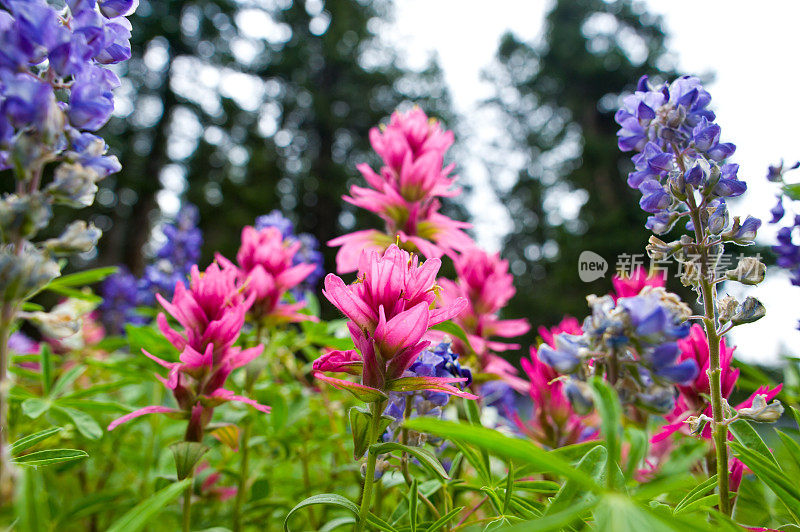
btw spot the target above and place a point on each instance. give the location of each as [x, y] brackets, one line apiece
[266, 269]
[554, 423]
[391, 308]
[632, 285]
[405, 193]
[211, 313]
[487, 286]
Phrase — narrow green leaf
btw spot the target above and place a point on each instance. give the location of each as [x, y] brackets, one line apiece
[49, 457]
[46, 357]
[509, 486]
[537, 486]
[425, 457]
[555, 521]
[784, 488]
[85, 423]
[83, 278]
[339, 522]
[66, 379]
[697, 492]
[413, 500]
[474, 458]
[792, 447]
[747, 436]
[35, 407]
[328, 499]
[637, 452]
[610, 412]
[378, 523]
[360, 420]
[500, 445]
[796, 415]
[454, 330]
[593, 464]
[27, 442]
[792, 190]
[140, 515]
[702, 503]
[443, 520]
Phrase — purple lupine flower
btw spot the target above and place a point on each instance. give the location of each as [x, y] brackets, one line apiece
[120, 296]
[278, 220]
[640, 333]
[440, 362]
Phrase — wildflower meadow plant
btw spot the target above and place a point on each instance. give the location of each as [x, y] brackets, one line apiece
[55, 90]
[681, 169]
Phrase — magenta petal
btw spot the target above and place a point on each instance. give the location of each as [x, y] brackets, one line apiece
[141, 412]
[227, 395]
[346, 301]
[440, 384]
[443, 314]
[361, 392]
[340, 361]
[405, 329]
[246, 356]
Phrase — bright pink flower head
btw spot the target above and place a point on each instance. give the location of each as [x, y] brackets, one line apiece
[695, 347]
[211, 312]
[390, 307]
[629, 286]
[554, 423]
[484, 281]
[405, 192]
[265, 260]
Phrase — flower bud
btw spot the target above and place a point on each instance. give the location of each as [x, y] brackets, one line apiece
[77, 238]
[750, 271]
[749, 311]
[697, 423]
[726, 307]
[24, 274]
[74, 185]
[761, 411]
[743, 233]
[23, 216]
[658, 399]
[658, 250]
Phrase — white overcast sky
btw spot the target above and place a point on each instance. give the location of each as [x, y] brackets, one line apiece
[752, 48]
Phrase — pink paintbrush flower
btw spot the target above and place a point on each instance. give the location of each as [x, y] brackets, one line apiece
[554, 422]
[631, 285]
[695, 347]
[484, 281]
[211, 314]
[265, 263]
[390, 307]
[405, 192]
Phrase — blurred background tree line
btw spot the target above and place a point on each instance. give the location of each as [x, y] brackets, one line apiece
[244, 106]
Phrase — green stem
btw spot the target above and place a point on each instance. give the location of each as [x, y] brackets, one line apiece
[708, 291]
[187, 504]
[376, 410]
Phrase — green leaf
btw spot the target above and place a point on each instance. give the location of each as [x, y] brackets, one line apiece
[49, 457]
[455, 330]
[83, 278]
[592, 464]
[796, 415]
[360, 420]
[187, 454]
[703, 503]
[328, 499]
[425, 457]
[333, 524]
[556, 521]
[537, 486]
[74, 293]
[378, 523]
[503, 446]
[792, 447]
[576, 451]
[140, 515]
[616, 512]
[46, 357]
[443, 520]
[697, 492]
[27, 442]
[35, 407]
[747, 436]
[85, 423]
[784, 488]
[413, 499]
[610, 412]
[474, 458]
[792, 190]
[637, 451]
[66, 379]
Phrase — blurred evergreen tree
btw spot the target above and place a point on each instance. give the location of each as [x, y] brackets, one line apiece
[556, 99]
[244, 106]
